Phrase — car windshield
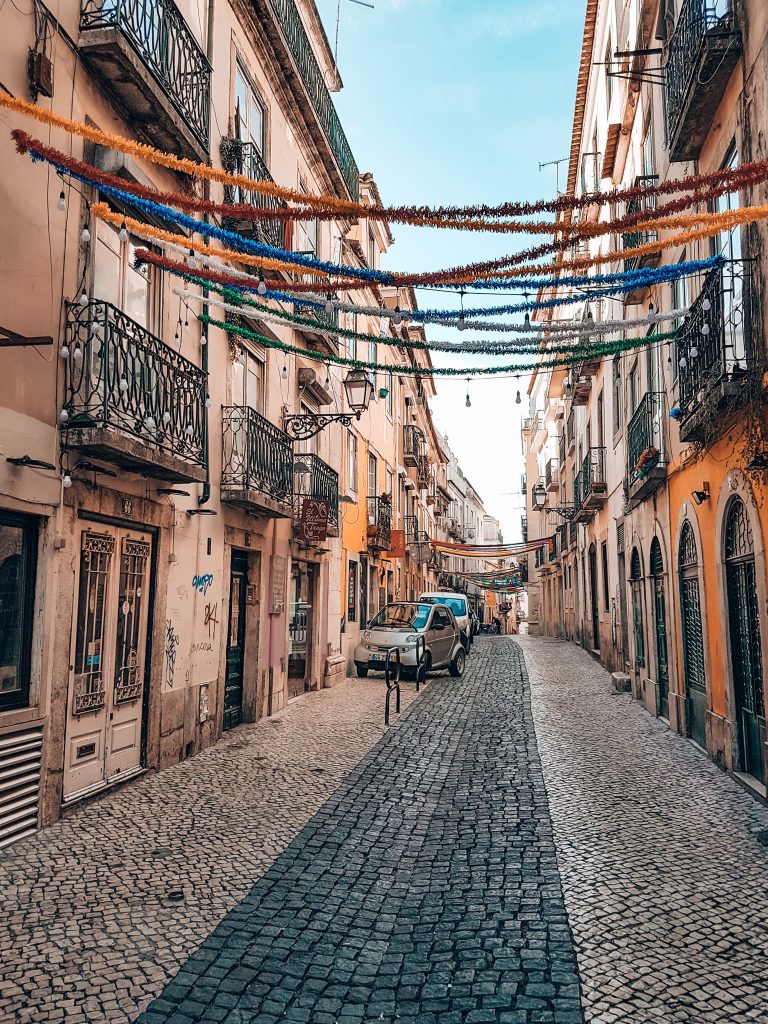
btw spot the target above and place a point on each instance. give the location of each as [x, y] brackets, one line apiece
[402, 616]
[457, 604]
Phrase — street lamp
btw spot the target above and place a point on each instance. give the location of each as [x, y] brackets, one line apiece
[357, 387]
[539, 496]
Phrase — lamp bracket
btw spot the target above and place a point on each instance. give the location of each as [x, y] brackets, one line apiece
[305, 425]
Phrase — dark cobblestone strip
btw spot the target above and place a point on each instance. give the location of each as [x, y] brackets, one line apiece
[426, 890]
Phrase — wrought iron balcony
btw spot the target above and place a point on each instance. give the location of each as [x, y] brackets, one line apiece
[703, 51]
[130, 398]
[572, 532]
[570, 430]
[313, 478]
[593, 490]
[561, 449]
[581, 381]
[415, 452]
[146, 56]
[257, 463]
[631, 239]
[717, 331]
[282, 23]
[411, 529]
[379, 523]
[646, 459]
[244, 158]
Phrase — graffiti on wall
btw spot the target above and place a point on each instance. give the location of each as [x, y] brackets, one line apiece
[202, 584]
[171, 648]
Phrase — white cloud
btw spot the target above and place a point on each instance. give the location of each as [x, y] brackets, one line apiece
[522, 17]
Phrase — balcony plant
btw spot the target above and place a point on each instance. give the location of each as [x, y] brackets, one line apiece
[648, 459]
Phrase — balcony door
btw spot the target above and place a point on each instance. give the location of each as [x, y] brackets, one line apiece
[233, 686]
[693, 637]
[300, 628]
[660, 625]
[594, 598]
[106, 696]
[745, 639]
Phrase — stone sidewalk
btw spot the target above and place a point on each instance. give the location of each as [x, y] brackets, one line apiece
[666, 883]
[100, 910]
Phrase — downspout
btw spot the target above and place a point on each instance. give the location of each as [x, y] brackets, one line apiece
[205, 496]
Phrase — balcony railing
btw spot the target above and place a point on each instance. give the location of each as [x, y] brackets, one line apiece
[524, 528]
[631, 239]
[713, 347]
[319, 482]
[161, 39]
[257, 466]
[287, 17]
[411, 529]
[593, 490]
[645, 447]
[561, 449]
[131, 398]
[702, 53]
[570, 429]
[415, 451]
[379, 524]
[244, 158]
[551, 475]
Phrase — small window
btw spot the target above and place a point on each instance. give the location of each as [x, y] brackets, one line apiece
[18, 559]
[372, 476]
[352, 461]
[306, 230]
[248, 381]
[249, 114]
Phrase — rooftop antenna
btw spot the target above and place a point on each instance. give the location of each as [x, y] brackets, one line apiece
[360, 3]
[556, 165]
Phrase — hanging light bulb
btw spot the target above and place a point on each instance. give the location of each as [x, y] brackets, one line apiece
[694, 352]
[64, 351]
[85, 237]
[329, 304]
[590, 318]
[77, 355]
[705, 329]
[66, 481]
[176, 335]
[191, 259]
[527, 321]
[83, 300]
[462, 324]
[64, 416]
[468, 402]
[149, 423]
[188, 430]
[262, 286]
[397, 317]
[651, 313]
[62, 201]
[123, 385]
[669, 364]
[683, 362]
[518, 399]
[123, 233]
[207, 401]
[706, 305]
[166, 418]
[203, 339]
[285, 373]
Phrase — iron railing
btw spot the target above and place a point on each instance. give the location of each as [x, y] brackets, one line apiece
[257, 455]
[577, 491]
[573, 532]
[641, 205]
[592, 473]
[570, 428]
[524, 528]
[318, 481]
[287, 17]
[411, 529]
[698, 20]
[561, 449]
[415, 450]
[645, 436]
[379, 523]
[714, 338]
[244, 158]
[121, 376]
[167, 48]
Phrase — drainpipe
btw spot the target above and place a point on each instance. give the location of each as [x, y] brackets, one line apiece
[205, 496]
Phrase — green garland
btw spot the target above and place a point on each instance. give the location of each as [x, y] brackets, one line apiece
[579, 355]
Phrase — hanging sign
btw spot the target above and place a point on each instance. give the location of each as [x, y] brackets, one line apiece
[397, 544]
[313, 525]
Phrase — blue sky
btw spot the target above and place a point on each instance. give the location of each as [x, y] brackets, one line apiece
[451, 102]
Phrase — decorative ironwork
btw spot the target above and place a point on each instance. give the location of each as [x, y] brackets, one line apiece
[660, 623]
[244, 158]
[690, 602]
[411, 529]
[561, 449]
[129, 683]
[699, 22]
[131, 381]
[739, 542]
[570, 429]
[287, 17]
[380, 523]
[257, 455]
[415, 451]
[592, 474]
[645, 434]
[302, 426]
[89, 692]
[636, 579]
[630, 239]
[167, 48]
[318, 481]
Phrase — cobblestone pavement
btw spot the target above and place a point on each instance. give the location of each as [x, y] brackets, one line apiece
[88, 929]
[666, 884]
[426, 890]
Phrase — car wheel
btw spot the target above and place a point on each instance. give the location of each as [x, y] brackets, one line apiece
[458, 663]
[362, 671]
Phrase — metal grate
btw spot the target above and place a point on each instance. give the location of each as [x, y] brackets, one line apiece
[20, 763]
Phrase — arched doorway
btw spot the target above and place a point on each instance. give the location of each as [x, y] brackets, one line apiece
[636, 584]
[593, 597]
[660, 627]
[693, 638]
[744, 628]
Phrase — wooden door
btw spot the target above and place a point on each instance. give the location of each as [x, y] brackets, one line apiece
[233, 684]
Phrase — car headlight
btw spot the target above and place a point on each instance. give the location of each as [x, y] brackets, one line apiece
[367, 635]
[413, 639]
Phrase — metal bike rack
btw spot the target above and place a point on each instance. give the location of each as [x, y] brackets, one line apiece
[392, 671]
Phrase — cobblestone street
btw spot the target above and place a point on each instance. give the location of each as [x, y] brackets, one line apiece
[522, 847]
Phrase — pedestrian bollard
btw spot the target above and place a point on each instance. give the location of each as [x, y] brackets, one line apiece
[392, 671]
[421, 662]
